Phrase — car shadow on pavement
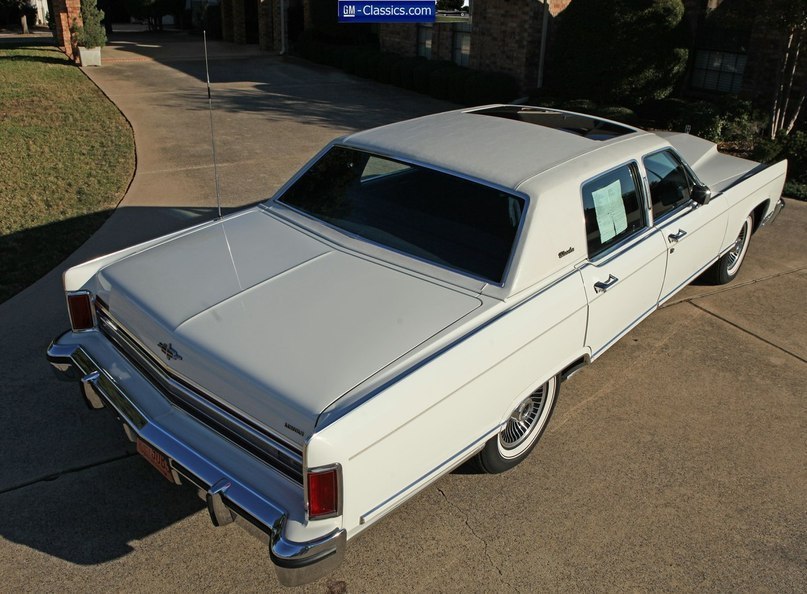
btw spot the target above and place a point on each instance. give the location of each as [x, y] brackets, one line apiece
[69, 480]
[92, 516]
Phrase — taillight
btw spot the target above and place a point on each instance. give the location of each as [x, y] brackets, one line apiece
[79, 306]
[323, 492]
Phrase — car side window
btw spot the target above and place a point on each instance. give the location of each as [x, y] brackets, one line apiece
[670, 186]
[614, 208]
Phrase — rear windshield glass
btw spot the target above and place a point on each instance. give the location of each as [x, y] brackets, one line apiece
[434, 216]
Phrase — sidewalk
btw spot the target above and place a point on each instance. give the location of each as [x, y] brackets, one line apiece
[36, 36]
[675, 462]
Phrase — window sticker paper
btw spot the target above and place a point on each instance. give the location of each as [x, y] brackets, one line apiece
[611, 217]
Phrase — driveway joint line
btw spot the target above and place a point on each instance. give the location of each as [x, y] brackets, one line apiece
[734, 286]
[757, 336]
[203, 166]
[56, 475]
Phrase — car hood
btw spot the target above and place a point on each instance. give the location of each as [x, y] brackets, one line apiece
[269, 319]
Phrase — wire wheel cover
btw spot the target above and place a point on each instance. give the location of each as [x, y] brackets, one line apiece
[737, 252]
[524, 419]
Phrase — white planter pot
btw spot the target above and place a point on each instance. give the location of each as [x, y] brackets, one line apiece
[90, 56]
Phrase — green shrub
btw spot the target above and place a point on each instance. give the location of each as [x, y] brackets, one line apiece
[704, 119]
[421, 75]
[767, 151]
[377, 63]
[618, 114]
[792, 147]
[580, 105]
[348, 58]
[455, 79]
[661, 113]
[365, 62]
[623, 51]
[440, 81]
[538, 97]
[403, 72]
[481, 88]
[796, 190]
[91, 33]
[385, 64]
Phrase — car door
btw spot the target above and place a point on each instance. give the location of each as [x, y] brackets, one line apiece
[624, 271]
[693, 233]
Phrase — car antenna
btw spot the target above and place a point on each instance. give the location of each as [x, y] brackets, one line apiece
[212, 135]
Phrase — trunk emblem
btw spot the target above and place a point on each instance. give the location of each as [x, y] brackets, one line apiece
[169, 351]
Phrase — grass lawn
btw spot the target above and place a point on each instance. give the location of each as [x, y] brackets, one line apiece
[66, 159]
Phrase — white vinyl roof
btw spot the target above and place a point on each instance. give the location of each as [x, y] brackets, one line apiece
[496, 149]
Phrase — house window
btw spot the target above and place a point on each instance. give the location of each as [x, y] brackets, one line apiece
[425, 40]
[718, 71]
[462, 44]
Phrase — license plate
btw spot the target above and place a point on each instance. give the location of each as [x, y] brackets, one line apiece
[158, 460]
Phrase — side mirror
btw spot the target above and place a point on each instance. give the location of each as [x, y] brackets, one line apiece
[701, 194]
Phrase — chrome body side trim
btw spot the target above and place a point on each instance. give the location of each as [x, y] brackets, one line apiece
[200, 456]
[622, 332]
[693, 276]
[329, 415]
[424, 480]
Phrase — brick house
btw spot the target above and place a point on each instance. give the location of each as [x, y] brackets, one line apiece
[504, 36]
[509, 36]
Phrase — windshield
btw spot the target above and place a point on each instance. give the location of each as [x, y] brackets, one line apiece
[434, 216]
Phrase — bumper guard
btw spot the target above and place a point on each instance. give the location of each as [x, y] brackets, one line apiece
[203, 458]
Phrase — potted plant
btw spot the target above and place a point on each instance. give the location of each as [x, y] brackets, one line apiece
[90, 36]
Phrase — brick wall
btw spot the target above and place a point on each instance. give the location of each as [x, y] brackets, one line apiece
[66, 11]
[239, 25]
[266, 39]
[398, 38]
[443, 41]
[227, 20]
[506, 37]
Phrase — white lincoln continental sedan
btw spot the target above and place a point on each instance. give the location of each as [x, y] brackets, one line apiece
[439, 276]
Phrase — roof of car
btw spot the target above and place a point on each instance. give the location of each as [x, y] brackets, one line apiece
[503, 144]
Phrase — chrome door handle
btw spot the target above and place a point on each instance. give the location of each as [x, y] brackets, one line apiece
[603, 286]
[675, 237]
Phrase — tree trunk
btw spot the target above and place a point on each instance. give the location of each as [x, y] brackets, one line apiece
[24, 23]
[794, 118]
[794, 62]
[780, 82]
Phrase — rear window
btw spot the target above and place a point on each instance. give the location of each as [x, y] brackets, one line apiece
[434, 216]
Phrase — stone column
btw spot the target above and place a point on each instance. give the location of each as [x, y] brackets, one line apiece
[227, 20]
[66, 12]
[277, 30]
[266, 38]
[239, 22]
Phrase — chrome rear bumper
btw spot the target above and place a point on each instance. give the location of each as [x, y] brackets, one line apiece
[201, 456]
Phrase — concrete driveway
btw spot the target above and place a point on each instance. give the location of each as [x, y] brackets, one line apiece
[676, 462]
